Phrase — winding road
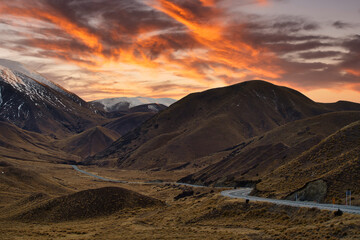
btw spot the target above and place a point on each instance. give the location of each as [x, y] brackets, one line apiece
[96, 176]
[243, 193]
[118, 181]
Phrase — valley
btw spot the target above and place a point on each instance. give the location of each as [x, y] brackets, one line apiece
[251, 135]
[202, 214]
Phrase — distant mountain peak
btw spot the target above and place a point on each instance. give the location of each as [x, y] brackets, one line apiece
[125, 103]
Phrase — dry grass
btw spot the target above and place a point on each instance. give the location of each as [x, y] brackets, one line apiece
[335, 160]
[206, 214]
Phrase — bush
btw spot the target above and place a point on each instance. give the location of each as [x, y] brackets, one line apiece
[338, 213]
[184, 194]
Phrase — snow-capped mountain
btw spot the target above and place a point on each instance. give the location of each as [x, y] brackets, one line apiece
[34, 103]
[125, 103]
[19, 68]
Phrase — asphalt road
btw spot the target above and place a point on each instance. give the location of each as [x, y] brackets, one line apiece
[243, 193]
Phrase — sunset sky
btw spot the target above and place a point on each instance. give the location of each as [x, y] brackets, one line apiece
[170, 48]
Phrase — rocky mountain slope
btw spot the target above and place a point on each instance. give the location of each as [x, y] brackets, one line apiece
[33, 103]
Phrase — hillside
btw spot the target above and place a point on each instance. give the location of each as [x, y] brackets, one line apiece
[211, 121]
[250, 161]
[330, 167]
[16, 143]
[16, 182]
[88, 142]
[87, 204]
[128, 122]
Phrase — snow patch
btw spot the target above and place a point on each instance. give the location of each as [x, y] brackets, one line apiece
[19, 108]
[1, 100]
[109, 103]
[18, 67]
[9, 77]
[153, 108]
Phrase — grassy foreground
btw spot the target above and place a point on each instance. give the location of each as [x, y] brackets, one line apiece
[203, 214]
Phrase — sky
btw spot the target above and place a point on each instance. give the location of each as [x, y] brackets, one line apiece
[170, 48]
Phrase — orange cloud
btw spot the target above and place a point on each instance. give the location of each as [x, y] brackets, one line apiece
[78, 32]
[231, 52]
[208, 2]
[146, 48]
[196, 26]
[262, 2]
[353, 72]
[181, 40]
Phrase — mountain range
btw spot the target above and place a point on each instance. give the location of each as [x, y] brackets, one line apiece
[126, 103]
[33, 103]
[66, 126]
[205, 123]
[249, 134]
[254, 133]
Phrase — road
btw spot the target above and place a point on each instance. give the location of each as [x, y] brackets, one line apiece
[96, 176]
[118, 181]
[243, 193]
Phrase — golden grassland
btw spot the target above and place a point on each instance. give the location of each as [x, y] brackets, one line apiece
[206, 214]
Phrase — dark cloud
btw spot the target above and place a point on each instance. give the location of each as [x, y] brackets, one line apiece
[320, 54]
[295, 47]
[168, 86]
[284, 35]
[351, 61]
[285, 24]
[315, 75]
[292, 24]
[342, 25]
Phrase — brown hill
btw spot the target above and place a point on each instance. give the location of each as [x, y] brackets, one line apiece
[329, 168]
[88, 204]
[128, 122]
[88, 142]
[208, 122]
[152, 107]
[250, 161]
[16, 143]
[16, 182]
